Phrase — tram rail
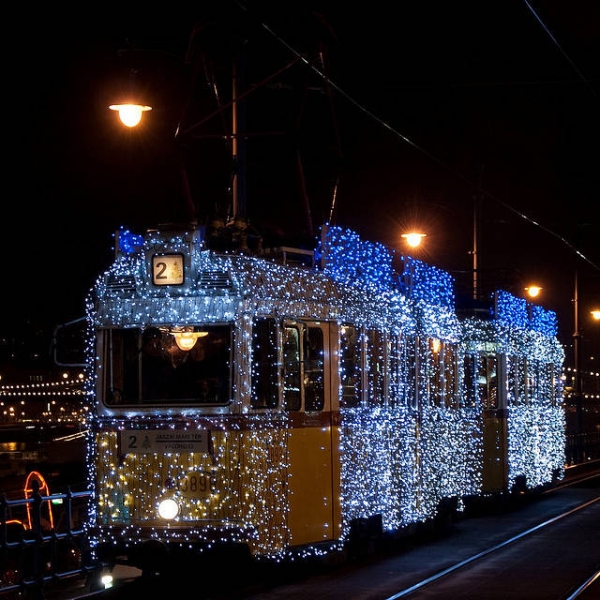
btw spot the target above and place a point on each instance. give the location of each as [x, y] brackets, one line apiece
[469, 562]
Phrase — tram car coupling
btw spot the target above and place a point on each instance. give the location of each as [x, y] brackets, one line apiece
[295, 403]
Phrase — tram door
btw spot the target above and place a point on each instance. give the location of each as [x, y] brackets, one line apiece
[307, 398]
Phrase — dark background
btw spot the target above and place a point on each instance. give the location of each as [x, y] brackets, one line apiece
[420, 110]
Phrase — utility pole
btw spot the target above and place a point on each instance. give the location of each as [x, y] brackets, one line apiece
[476, 218]
[577, 391]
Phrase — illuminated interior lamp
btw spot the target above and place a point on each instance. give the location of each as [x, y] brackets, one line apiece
[595, 314]
[533, 290]
[413, 239]
[130, 114]
[185, 338]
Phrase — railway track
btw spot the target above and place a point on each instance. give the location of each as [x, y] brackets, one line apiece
[519, 559]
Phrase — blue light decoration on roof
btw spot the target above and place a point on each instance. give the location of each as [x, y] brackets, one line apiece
[544, 321]
[517, 312]
[129, 243]
[510, 310]
[367, 266]
[428, 283]
[352, 261]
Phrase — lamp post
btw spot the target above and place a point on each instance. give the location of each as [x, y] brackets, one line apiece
[577, 392]
[578, 378]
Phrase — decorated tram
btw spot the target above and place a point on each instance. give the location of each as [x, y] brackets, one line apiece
[293, 402]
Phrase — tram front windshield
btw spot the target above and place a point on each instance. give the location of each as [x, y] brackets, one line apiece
[149, 367]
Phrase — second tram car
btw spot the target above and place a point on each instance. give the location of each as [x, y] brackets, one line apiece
[284, 404]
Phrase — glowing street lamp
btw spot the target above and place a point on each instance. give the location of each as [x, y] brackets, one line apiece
[130, 114]
[413, 238]
[533, 291]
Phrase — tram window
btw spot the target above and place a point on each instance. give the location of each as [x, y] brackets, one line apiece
[350, 361]
[435, 379]
[264, 364]
[395, 352]
[449, 381]
[149, 368]
[410, 370]
[291, 368]
[425, 371]
[376, 367]
[549, 376]
[441, 373]
[517, 377]
[533, 381]
[314, 398]
[488, 381]
[121, 355]
[470, 371]
[401, 371]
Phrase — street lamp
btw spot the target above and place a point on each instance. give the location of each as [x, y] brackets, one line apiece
[533, 290]
[413, 238]
[130, 114]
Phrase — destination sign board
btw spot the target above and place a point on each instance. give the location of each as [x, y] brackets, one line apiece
[147, 441]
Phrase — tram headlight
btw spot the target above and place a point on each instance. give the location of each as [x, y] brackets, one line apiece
[168, 509]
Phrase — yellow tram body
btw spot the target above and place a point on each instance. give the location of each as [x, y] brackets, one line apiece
[232, 487]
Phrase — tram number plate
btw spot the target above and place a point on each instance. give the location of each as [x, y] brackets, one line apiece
[197, 484]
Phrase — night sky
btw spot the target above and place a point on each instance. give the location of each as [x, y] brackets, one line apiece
[419, 110]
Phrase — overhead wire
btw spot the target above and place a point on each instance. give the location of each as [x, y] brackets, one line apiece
[555, 42]
[422, 150]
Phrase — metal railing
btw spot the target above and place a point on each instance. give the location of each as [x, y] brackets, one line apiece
[34, 551]
[582, 447]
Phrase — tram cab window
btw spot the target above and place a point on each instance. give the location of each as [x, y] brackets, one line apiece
[148, 367]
